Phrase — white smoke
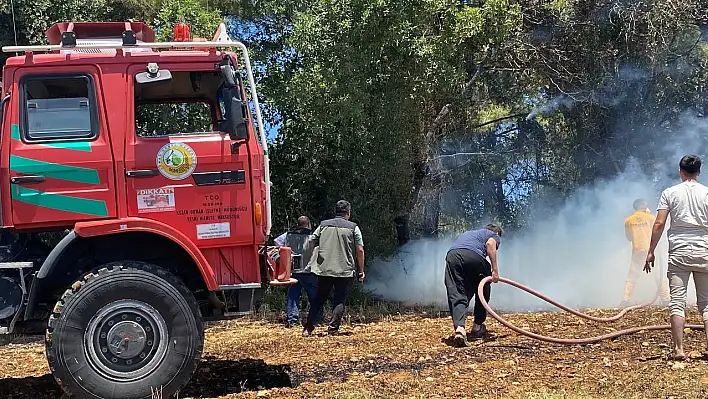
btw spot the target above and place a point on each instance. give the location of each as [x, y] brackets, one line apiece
[578, 256]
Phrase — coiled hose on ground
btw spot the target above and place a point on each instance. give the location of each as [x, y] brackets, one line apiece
[578, 341]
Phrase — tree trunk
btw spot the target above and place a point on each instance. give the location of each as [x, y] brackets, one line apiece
[425, 215]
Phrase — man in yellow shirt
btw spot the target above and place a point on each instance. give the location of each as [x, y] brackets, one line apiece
[637, 229]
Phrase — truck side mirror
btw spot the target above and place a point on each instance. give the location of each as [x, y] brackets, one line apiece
[236, 121]
[227, 71]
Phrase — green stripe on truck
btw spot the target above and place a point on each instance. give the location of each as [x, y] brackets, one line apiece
[59, 202]
[84, 146]
[53, 170]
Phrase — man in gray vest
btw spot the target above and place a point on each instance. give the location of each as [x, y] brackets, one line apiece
[298, 240]
[340, 253]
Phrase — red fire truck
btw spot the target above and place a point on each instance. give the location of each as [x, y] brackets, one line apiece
[134, 202]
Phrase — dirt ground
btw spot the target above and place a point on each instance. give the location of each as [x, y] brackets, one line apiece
[406, 356]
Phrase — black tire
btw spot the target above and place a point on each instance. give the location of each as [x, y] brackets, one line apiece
[152, 321]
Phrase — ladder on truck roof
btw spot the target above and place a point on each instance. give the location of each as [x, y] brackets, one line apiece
[129, 42]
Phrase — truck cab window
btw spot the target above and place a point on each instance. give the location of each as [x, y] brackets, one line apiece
[169, 119]
[184, 105]
[58, 108]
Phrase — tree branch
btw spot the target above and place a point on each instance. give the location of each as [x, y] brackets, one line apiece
[487, 52]
[503, 118]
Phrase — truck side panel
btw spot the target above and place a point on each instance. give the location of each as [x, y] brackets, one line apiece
[193, 180]
[116, 98]
[234, 265]
[5, 140]
[60, 162]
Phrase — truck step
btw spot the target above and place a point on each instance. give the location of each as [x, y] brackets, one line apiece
[237, 314]
[16, 265]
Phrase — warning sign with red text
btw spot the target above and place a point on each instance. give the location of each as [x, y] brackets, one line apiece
[156, 200]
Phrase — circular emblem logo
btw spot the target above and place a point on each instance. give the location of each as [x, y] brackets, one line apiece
[176, 161]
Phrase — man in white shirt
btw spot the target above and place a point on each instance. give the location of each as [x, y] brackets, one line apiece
[298, 241]
[687, 204]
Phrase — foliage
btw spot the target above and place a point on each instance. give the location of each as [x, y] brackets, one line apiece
[163, 119]
[32, 18]
[442, 113]
[364, 86]
[202, 22]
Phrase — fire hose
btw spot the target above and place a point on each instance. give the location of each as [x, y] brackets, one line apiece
[578, 341]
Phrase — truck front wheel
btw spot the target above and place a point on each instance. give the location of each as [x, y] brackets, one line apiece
[125, 331]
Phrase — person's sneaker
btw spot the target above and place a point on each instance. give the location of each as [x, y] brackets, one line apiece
[291, 324]
[460, 340]
[624, 304]
[478, 332]
[306, 332]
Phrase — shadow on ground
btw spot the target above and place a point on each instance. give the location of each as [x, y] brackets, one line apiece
[20, 339]
[488, 337]
[44, 387]
[219, 377]
[215, 378]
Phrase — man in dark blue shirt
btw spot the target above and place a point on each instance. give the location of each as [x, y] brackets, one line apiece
[466, 265]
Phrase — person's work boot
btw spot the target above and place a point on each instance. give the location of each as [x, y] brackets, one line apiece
[307, 331]
[478, 331]
[460, 338]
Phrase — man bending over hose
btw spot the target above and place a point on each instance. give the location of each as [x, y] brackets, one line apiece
[466, 265]
[687, 203]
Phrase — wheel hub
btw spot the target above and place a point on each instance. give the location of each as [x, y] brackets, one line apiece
[126, 340]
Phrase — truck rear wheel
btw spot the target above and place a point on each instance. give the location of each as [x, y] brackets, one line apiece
[124, 331]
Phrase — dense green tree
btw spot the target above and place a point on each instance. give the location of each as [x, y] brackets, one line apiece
[437, 114]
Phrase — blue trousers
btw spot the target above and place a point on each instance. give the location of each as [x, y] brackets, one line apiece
[308, 281]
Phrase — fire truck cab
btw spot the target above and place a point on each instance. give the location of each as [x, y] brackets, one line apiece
[134, 202]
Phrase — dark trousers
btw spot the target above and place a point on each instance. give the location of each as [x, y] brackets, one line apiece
[463, 271]
[325, 284]
[308, 281]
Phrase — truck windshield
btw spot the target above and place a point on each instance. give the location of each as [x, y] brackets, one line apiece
[187, 104]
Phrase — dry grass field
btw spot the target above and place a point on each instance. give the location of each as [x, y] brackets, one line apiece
[406, 356]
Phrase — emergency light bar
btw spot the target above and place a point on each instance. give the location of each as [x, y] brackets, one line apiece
[221, 39]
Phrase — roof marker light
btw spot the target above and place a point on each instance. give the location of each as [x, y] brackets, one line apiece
[181, 33]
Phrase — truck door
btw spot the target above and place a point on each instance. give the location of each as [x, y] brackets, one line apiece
[180, 169]
[61, 163]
